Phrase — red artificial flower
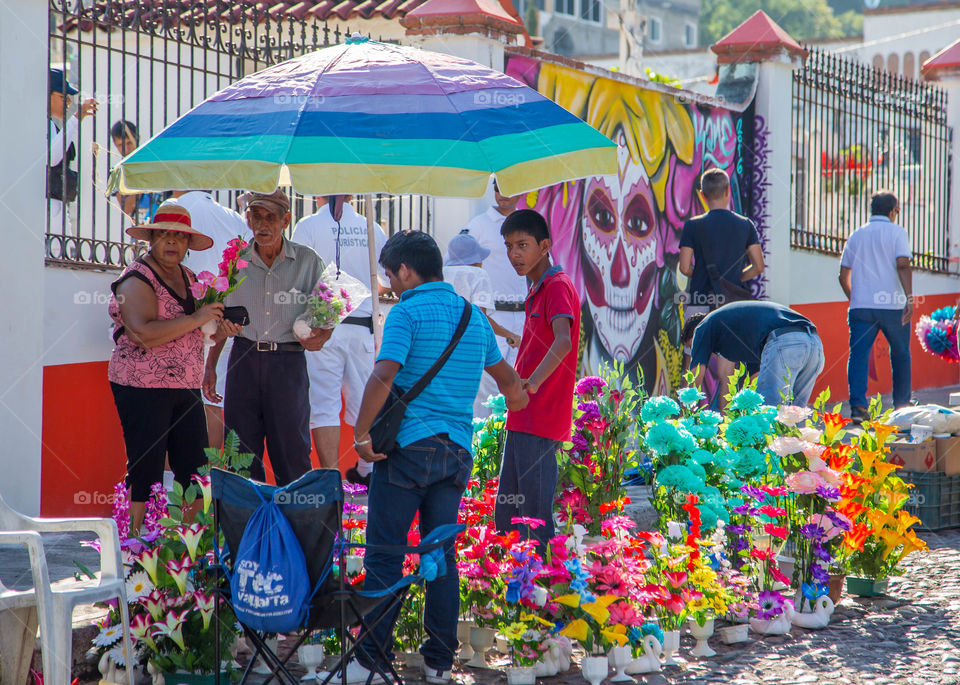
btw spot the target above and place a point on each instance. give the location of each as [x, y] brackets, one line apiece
[840, 457]
[675, 578]
[777, 575]
[772, 511]
[527, 521]
[675, 604]
[774, 492]
[763, 554]
[775, 531]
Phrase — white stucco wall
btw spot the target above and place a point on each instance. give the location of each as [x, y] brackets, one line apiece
[76, 327]
[23, 80]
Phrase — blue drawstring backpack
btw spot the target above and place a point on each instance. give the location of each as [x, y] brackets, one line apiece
[270, 584]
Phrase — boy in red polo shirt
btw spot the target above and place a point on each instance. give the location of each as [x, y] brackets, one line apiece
[547, 364]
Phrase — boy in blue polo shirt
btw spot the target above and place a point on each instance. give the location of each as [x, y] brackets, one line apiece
[428, 471]
[547, 363]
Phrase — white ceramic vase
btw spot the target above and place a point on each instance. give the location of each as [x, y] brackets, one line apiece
[818, 617]
[594, 669]
[481, 639]
[463, 635]
[701, 633]
[731, 635]
[671, 643]
[208, 328]
[521, 675]
[310, 657]
[774, 626]
[619, 659]
[261, 666]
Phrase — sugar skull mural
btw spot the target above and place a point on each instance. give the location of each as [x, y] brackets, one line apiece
[618, 236]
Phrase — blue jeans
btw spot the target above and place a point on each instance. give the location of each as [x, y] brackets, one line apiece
[864, 326]
[428, 476]
[789, 366]
[528, 484]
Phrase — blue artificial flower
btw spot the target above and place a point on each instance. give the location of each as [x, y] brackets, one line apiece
[496, 404]
[652, 629]
[708, 417]
[813, 590]
[690, 396]
[702, 457]
[578, 580]
[665, 438]
[658, 408]
[749, 462]
[747, 399]
[679, 477]
[696, 469]
[746, 431]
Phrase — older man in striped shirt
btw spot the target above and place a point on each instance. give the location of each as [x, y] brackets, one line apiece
[267, 395]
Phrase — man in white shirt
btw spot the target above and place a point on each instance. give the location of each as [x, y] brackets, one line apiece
[63, 140]
[509, 289]
[223, 225]
[338, 233]
[876, 277]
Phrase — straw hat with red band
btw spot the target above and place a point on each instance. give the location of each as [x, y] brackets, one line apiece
[172, 216]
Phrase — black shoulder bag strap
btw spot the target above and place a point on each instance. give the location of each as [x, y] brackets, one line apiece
[425, 379]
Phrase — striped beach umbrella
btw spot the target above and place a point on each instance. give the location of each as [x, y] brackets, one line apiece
[371, 117]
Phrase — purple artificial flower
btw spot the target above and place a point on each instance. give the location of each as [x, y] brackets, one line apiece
[770, 604]
[740, 544]
[354, 488]
[739, 529]
[840, 522]
[811, 531]
[754, 492]
[745, 509]
[828, 493]
[819, 574]
[579, 442]
[591, 412]
[820, 552]
[588, 384]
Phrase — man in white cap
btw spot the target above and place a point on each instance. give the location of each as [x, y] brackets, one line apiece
[464, 270]
[509, 289]
[338, 233]
[222, 224]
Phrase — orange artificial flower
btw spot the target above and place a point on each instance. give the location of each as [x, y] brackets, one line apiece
[849, 508]
[840, 457]
[867, 459]
[904, 521]
[854, 538]
[912, 543]
[883, 431]
[832, 423]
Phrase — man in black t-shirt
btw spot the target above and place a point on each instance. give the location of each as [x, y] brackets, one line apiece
[774, 342]
[722, 239]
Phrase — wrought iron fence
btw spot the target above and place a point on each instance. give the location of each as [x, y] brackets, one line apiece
[857, 130]
[147, 62]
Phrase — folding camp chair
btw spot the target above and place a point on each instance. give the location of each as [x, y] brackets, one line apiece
[313, 505]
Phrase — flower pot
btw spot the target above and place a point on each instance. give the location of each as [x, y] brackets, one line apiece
[208, 329]
[836, 587]
[618, 659]
[502, 644]
[786, 565]
[261, 666]
[463, 635]
[649, 661]
[731, 635]
[701, 633]
[594, 669]
[866, 587]
[310, 656]
[481, 639]
[521, 675]
[671, 643]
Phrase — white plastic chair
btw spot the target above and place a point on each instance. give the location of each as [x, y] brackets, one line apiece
[55, 606]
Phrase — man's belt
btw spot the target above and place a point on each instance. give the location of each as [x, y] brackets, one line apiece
[268, 346]
[365, 321]
[508, 306]
[794, 328]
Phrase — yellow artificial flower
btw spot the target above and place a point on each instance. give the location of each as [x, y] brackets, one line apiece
[703, 577]
[514, 631]
[698, 604]
[911, 543]
[883, 431]
[867, 458]
[719, 605]
[531, 617]
[617, 634]
[607, 600]
[572, 600]
[891, 540]
[577, 629]
[904, 521]
[597, 612]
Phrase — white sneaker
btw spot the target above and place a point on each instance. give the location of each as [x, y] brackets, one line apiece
[434, 676]
[357, 674]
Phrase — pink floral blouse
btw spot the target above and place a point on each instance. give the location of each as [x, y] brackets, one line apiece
[175, 364]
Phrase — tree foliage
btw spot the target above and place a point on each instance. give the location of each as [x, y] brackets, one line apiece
[802, 19]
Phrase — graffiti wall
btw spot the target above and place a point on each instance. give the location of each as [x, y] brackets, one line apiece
[618, 236]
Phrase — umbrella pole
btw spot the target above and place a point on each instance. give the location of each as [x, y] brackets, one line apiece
[374, 282]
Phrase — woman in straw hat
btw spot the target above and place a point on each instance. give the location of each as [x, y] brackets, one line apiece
[156, 368]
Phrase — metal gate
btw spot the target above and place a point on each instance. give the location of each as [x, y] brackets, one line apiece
[147, 63]
[857, 130]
